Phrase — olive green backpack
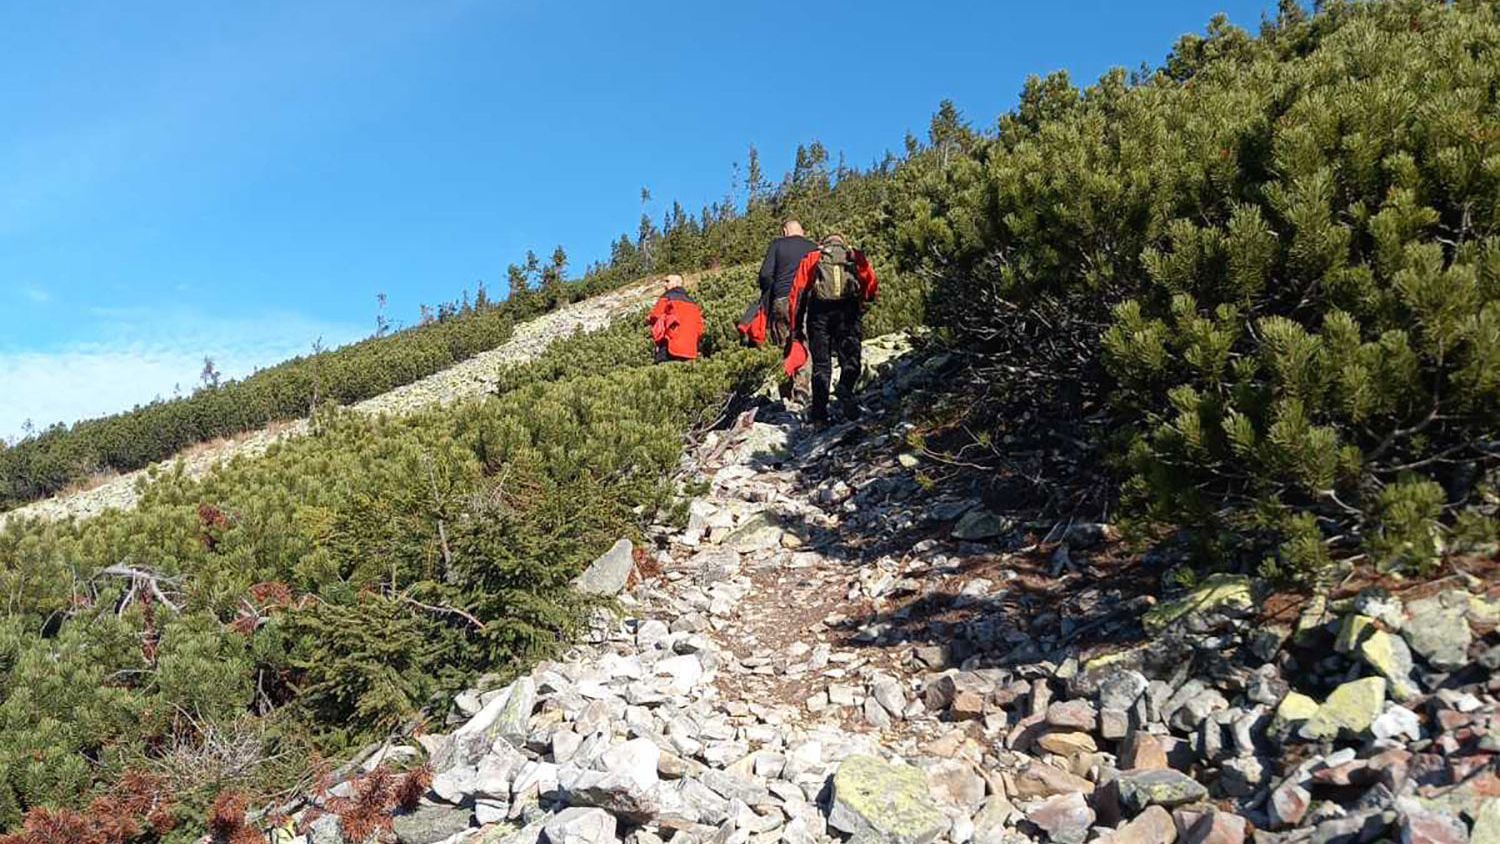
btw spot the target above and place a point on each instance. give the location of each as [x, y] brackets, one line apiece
[834, 278]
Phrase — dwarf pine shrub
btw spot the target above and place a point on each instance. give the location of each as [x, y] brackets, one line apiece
[1279, 257]
[348, 582]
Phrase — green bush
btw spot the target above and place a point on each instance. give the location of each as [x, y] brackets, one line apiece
[348, 581]
[1278, 259]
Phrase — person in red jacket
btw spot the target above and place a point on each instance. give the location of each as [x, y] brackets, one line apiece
[676, 323]
[829, 294]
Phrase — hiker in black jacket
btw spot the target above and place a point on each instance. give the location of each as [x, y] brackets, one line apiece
[776, 274]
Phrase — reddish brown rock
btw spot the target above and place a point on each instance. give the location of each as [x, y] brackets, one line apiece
[1039, 779]
[1072, 715]
[1025, 733]
[1153, 826]
[1419, 827]
[1144, 751]
[1208, 826]
[967, 706]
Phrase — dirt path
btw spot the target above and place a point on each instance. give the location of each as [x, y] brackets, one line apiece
[466, 380]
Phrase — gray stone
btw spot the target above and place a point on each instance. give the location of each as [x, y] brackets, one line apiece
[955, 783]
[888, 693]
[1065, 818]
[1198, 708]
[577, 825]
[1396, 722]
[1288, 804]
[455, 785]
[513, 722]
[1438, 629]
[734, 787]
[1243, 776]
[1165, 788]
[1120, 689]
[619, 793]
[980, 524]
[608, 574]
[430, 824]
[878, 801]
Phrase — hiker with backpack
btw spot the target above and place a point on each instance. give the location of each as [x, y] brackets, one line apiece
[829, 292]
[676, 323]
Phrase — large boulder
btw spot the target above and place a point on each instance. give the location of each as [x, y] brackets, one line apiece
[877, 801]
[608, 575]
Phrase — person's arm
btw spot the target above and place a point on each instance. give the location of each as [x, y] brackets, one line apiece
[868, 284]
[767, 276]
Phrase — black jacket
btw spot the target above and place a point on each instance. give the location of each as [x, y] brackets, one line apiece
[780, 266]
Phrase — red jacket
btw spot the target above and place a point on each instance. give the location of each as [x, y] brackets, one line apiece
[795, 356]
[676, 324]
[752, 326]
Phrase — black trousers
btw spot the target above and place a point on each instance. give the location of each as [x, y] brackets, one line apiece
[833, 328]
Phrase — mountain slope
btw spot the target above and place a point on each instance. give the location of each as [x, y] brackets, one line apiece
[468, 379]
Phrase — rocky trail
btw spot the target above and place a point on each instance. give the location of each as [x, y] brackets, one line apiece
[831, 649]
[465, 380]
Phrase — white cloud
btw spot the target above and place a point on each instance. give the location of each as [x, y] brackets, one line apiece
[147, 355]
[36, 294]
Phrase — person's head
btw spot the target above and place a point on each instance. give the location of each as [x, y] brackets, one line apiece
[672, 282]
[835, 240]
[792, 228]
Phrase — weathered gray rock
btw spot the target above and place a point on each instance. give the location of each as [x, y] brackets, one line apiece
[980, 524]
[1243, 776]
[880, 801]
[577, 825]
[513, 722]
[608, 574]
[1165, 788]
[1288, 804]
[1438, 629]
[430, 824]
[1196, 709]
[1397, 722]
[955, 783]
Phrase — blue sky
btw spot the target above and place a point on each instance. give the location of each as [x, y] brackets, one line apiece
[241, 179]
